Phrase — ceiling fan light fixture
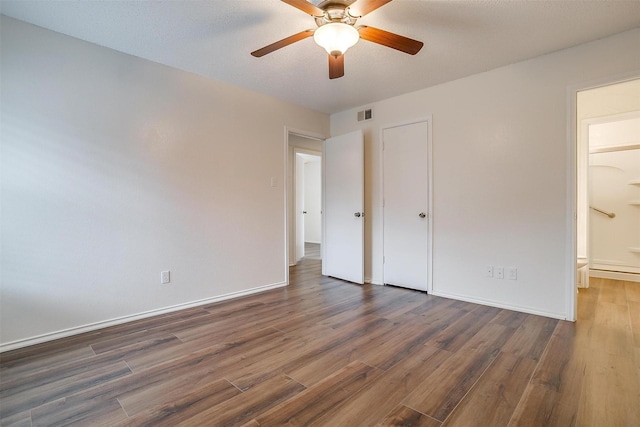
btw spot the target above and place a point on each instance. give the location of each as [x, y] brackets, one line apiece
[336, 37]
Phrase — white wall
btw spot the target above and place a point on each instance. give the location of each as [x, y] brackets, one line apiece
[115, 168]
[313, 201]
[500, 175]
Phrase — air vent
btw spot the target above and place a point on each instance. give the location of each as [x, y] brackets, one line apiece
[365, 115]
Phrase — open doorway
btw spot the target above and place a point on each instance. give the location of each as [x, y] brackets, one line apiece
[308, 186]
[608, 197]
[304, 196]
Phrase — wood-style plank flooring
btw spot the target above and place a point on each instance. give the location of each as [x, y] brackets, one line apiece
[312, 251]
[329, 353]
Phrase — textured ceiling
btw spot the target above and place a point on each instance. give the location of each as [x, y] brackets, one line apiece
[213, 38]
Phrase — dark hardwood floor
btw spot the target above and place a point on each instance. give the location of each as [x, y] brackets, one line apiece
[329, 353]
[312, 251]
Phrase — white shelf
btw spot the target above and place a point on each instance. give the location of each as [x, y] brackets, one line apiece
[634, 202]
[636, 250]
[634, 182]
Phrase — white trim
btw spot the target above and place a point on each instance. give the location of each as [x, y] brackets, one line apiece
[582, 192]
[571, 220]
[323, 232]
[571, 255]
[559, 316]
[613, 266]
[615, 275]
[303, 134]
[428, 119]
[286, 206]
[39, 339]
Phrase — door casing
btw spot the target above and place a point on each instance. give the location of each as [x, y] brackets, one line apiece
[572, 144]
[289, 201]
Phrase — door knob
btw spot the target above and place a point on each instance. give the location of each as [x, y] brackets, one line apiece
[422, 214]
[357, 214]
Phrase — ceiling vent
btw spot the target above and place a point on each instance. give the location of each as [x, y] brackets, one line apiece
[365, 115]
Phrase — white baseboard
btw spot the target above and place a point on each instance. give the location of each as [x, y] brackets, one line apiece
[124, 319]
[615, 275]
[500, 305]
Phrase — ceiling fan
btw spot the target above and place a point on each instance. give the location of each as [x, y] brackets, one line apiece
[337, 32]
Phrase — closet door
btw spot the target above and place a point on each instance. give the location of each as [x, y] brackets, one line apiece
[406, 218]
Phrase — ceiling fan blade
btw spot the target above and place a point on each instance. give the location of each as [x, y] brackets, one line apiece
[305, 6]
[392, 40]
[282, 43]
[360, 8]
[336, 66]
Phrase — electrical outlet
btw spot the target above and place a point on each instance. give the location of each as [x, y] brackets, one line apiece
[488, 271]
[499, 272]
[512, 273]
[165, 277]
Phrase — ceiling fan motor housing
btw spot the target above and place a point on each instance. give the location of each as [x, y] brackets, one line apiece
[335, 13]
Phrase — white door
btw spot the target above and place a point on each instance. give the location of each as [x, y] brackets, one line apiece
[405, 221]
[343, 211]
[313, 199]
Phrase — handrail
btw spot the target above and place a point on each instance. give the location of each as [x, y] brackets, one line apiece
[609, 214]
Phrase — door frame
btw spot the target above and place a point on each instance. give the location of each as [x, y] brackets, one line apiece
[572, 153]
[428, 119]
[289, 201]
